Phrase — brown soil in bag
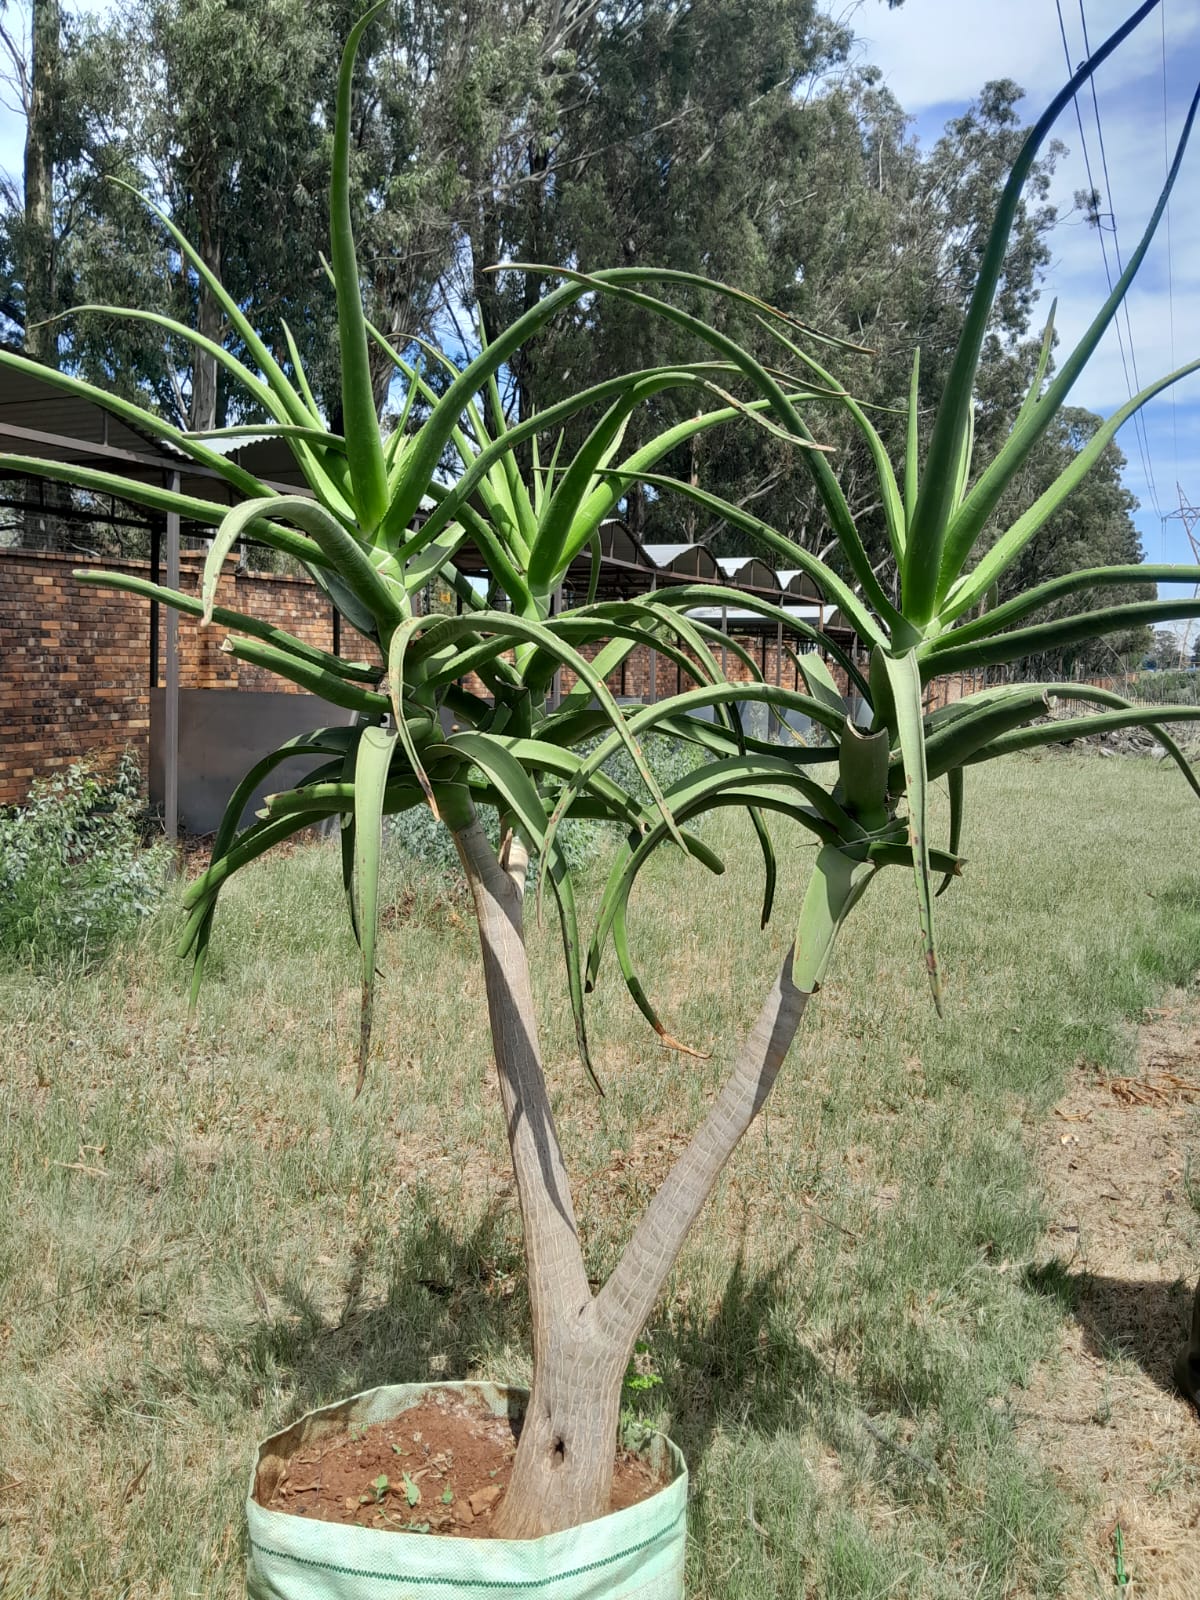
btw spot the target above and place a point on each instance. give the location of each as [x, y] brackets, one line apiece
[441, 1467]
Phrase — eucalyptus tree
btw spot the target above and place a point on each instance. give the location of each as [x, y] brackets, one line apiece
[358, 534]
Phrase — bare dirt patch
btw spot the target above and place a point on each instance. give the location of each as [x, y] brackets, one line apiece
[1123, 1251]
[441, 1467]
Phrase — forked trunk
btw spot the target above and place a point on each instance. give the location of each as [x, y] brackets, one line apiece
[562, 1475]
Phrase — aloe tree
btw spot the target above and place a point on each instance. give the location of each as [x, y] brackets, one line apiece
[535, 761]
[949, 560]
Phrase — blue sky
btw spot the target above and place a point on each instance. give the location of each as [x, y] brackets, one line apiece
[936, 55]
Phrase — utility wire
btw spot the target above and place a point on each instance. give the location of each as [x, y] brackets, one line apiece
[1162, 17]
[1094, 197]
[1123, 308]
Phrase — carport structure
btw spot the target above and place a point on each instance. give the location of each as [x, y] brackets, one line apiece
[39, 418]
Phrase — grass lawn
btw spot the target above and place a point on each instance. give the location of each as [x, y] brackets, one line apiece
[204, 1235]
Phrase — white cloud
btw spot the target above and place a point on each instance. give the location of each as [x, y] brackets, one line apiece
[941, 52]
[937, 54]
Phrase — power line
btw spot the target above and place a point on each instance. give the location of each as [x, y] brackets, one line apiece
[1143, 442]
[1162, 17]
[1123, 308]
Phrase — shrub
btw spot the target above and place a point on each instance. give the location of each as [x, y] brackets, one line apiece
[1175, 687]
[74, 873]
[416, 835]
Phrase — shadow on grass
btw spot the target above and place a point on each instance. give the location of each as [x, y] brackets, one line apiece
[448, 1300]
[453, 1301]
[1182, 894]
[745, 1367]
[1122, 1319]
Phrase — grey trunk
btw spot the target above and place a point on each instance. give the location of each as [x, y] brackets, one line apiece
[203, 410]
[38, 264]
[581, 1345]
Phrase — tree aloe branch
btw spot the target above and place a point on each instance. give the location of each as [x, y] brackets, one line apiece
[927, 532]
[627, 1299]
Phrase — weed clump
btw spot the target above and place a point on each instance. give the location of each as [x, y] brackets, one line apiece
[75, 873]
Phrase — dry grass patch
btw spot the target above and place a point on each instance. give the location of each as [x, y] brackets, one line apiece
[1115, 1158]
[840, 1342]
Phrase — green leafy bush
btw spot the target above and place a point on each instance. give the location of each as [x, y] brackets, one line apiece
[415, 836]
[669, 760]
[74, 873]
[1176, 687]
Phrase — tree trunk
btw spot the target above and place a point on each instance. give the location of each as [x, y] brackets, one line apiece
[208, 318]
[41, 343]
[563, 1471]
[562, 1475]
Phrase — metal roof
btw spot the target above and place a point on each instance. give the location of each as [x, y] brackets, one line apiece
[40, 418]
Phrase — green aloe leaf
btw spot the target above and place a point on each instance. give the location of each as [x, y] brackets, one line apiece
[644, 719]
[912, 447]
[522, 630]
[478, 466]
[620, 938]
[627, 866]
[699, 731]
[935, 502]
[298, 368]
[548, 557]
[946, 655]
[889, 489]
[251, 843]
[209, 512]
[1069, 728]
[970, 519]
[340, 548]
[322, 741]
[835, 886]
[956, 789]
[993, 565]
[137, 417]
[280, 387]
[352, 671]
[820, 683]
[703, 594]
[604, 498]
[1033, 397]
[981, 727]
[1001, 616]
[273, 430]
[834, 588]
[904, 680]
[827, 485]
[372, 764]
[330, 686]
[363, 442]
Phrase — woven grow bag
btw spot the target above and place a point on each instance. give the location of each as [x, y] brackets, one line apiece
[637, 1552]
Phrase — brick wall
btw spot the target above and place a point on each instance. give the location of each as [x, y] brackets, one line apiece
[75, 660]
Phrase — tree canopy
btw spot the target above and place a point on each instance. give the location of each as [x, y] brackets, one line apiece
[740, 142]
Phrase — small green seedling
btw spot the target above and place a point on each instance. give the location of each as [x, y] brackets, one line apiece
[447, 1496]
[637, 1379]
[1124, 1579]
[412, 1491]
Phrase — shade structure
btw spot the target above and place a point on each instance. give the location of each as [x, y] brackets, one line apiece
[41, 419]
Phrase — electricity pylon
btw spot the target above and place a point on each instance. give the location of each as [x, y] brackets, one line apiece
[1189, 515]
